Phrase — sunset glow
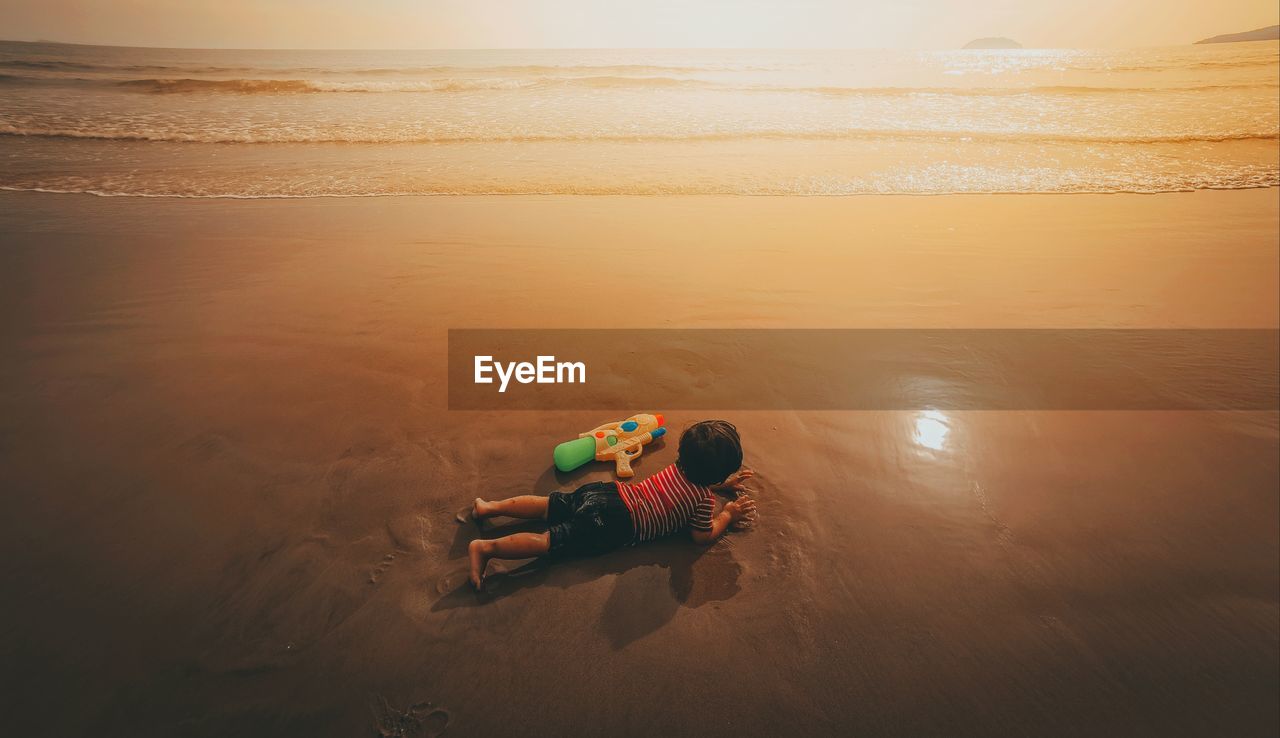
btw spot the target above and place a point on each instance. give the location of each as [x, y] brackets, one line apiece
[659, 24]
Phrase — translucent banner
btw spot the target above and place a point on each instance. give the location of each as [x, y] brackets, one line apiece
[825, 369]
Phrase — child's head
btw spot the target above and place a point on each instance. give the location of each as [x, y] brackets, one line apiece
[709, 452]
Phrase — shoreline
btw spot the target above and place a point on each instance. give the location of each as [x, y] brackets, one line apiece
[850, 195]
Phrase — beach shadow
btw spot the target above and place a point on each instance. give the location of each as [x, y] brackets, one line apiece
[652, 582]
[552, 479]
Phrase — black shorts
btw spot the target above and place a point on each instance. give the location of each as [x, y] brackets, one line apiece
[589, 520]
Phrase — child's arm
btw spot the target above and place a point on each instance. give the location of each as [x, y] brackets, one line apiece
[740, 509]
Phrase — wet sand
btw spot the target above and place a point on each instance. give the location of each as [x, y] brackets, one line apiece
[230, 475]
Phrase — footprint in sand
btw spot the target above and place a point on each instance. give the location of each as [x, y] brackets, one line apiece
[382, 568]
[424, 532]
[451, 581]
[435, 721]
[459, 578]
[454, 589]
[421, 720]
[207, 446]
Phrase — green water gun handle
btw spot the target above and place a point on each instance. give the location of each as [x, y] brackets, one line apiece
[572, 454]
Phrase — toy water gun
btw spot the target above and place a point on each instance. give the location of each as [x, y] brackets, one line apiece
[622, 442]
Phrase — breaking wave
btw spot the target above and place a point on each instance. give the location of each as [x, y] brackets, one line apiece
[279, 86]
[274, 86]
[375, 137]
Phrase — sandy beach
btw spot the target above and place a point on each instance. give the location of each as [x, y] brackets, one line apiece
[231, 475]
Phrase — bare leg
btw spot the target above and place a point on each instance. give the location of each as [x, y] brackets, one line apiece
[515, 546]
[528, 507]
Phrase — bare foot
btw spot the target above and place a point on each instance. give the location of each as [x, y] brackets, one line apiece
[478, 511]
[478, 551]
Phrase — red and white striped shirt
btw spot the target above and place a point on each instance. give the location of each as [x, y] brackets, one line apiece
[666, 502]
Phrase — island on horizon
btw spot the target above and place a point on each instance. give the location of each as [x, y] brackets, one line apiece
[993, 42]
[1267, 33]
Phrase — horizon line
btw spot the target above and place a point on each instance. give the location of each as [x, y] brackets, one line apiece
[605, 48]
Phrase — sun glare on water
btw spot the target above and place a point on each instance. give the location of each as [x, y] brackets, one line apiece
[931, 429]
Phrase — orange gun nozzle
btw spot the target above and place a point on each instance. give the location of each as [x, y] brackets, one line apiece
[660, 420]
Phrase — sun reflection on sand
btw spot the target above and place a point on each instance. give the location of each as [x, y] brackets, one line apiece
[931, 429]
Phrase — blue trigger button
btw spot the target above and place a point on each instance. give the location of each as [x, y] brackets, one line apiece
[658, 432]
[630, 425]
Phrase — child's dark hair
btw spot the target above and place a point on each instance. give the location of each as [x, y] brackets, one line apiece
[709, 452]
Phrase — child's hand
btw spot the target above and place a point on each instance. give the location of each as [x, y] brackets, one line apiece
[735, 482]
[741, 511]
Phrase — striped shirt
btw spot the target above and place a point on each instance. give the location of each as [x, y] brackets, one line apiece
[666, 502]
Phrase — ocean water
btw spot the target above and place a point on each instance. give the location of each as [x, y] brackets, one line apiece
[229, 123]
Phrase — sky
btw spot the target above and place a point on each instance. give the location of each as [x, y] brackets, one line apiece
[412, 24]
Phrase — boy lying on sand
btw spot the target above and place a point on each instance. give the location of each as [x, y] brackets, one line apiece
[602, 516]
